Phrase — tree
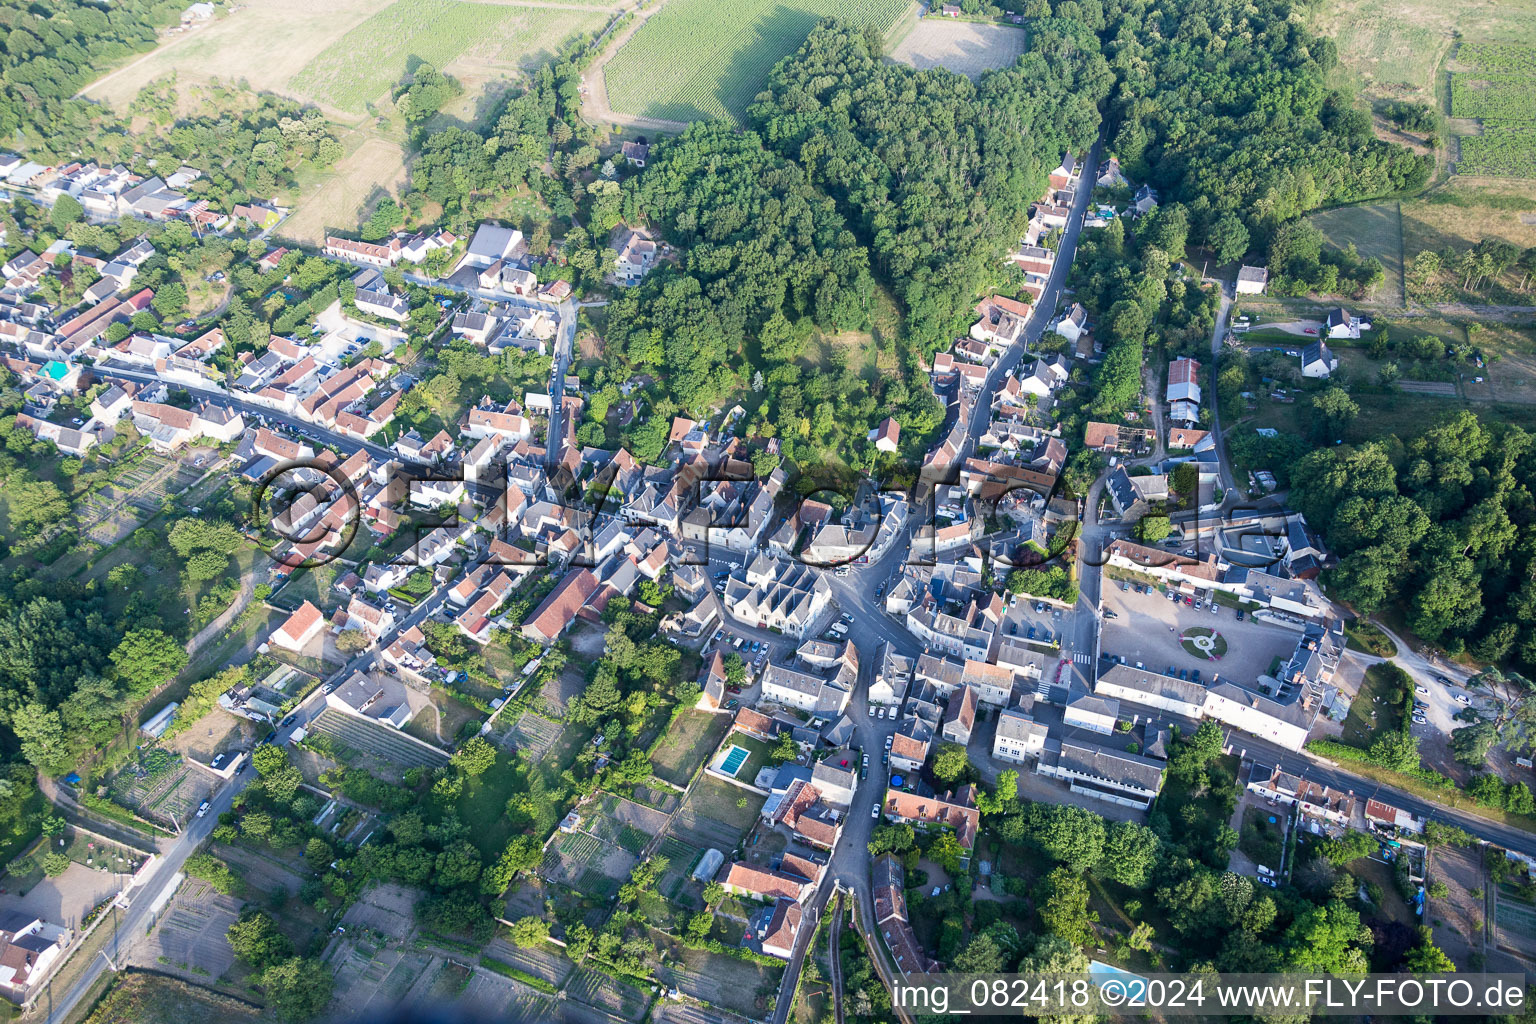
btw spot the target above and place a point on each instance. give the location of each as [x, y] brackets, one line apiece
[520, 854]
[1326, 939]
[785, 750]
[1130, 853]
[206, 565]
[458, 864]
[1427, 958]
[947, 853]
[146, 659]
[951, 763]
[298, 988]
[66, 211]
[1062, 902]
[1333, 412]
[980, 956]
[1151, 529]
[530, 931]
[714, 892]
[1070, 835]
[256, 941]
[55, 864]
[41, 733]
[896, 838]
[35, 505]
[474, 757]
[1228, 239]
[170, 299]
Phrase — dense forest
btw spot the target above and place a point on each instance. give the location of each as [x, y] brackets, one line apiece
[1226, 107]
[48, 52]
[1435, 523]
[936, 173]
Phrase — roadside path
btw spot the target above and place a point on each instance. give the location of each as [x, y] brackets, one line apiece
[228, 615]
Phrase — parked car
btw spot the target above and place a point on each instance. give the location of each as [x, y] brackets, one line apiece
[1239, 615]
[1463, 698]
[202, 809]
[1309, 330]
[874, 812]
[1194, 674]
[732, 705]
[880, 714]
[871, 711]
[1444, 681]
[1421, 690]
[1110, 613]
[1420, 720]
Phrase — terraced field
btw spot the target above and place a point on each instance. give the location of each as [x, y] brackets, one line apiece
[689, 62]
[375, 739]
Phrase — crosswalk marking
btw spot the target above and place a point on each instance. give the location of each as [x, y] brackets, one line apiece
[1081, 658]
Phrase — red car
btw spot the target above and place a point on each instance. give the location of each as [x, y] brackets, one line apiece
[1309, 330]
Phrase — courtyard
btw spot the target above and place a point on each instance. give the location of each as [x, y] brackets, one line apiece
[1148, 628]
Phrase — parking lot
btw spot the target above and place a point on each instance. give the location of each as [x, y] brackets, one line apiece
[1146, 628]
[1047, 620]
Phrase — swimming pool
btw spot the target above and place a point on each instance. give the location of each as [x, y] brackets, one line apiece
[734, 759]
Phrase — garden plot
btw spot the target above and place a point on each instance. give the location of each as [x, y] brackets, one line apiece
[375, 980]
[722, 981]
[493, 997]
[386, 909]
[191, 935]
[681, 858]
[685, 1013]
[687, 743]
[609, 994]
[627, 824]
[587, 864]
[533, 734]
[540, 961]
[717, 815]
[379, 740]
[964, 47]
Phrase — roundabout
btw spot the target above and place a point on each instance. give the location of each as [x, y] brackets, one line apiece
[1203, 642]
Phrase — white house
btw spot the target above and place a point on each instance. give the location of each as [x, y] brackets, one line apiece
[1317, 360]
[1074, 324]
[1018, 736]
[1252, 280]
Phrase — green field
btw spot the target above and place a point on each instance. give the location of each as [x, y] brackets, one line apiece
[692, 61]
[1500, 150]
[1477, 94]
[1376, 230]
[1503, 58]
[363, 65]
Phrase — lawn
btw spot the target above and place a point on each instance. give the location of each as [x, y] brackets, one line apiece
[1377, 709]
[1261, 840]
[441, 33]
[482, 805]
[688, 63]
[689, 739]
[1375, 230]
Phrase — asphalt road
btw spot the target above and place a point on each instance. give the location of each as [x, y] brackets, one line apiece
[135, 919]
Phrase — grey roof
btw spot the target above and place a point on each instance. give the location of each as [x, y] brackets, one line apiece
[1116, 766]
[1014, 724]
[1154, 684]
